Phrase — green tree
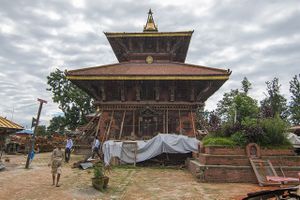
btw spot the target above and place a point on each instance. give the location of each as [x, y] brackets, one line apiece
[74, 103]
[224, 106]
[274, 103]
[246, 85]
[244, 107]
[41, 130]
[236, 105]
[57, 124]
[295, 100]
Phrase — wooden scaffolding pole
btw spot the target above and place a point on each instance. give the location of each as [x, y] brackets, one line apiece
[193, 123]
[98, 126]
[122, 124]
[108, 130]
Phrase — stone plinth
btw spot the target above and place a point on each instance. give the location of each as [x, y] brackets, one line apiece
[225, 164]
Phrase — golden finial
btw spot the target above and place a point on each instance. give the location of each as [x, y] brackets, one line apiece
[150, 25]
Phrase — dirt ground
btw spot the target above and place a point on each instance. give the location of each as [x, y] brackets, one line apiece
[125, 182]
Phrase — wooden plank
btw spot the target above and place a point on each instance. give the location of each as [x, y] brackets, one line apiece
[258, 164]
[122, 124]
[98, 125]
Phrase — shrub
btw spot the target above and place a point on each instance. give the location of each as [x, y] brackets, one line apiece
[228, 129]
[207, 141]
[98, 170]
[274, 129]
[239, 138]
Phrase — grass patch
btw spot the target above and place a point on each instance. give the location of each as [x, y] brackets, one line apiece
[220, 141]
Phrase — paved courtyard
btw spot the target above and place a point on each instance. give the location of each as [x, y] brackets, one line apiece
[125, 183]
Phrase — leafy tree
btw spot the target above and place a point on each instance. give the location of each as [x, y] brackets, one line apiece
[224, 106]
[57, 124]
[41, 130]
[246, 85]
[244, 107]
[295, 100]
[274, 103]
[74, 103]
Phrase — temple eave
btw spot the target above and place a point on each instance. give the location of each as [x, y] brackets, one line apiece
[148, 34]
[138, 77]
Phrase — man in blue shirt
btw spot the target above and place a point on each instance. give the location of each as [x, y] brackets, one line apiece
[69, 146]
[95, 147]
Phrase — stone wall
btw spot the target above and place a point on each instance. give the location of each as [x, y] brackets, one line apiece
[224, 164]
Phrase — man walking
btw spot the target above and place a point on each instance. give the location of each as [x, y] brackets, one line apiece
[69, 146]
[56, 164]
[95, 147]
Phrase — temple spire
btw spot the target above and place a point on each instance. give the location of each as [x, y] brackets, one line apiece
[150, 25]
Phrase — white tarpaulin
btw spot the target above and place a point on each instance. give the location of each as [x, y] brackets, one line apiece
[294, 139]
[162, 143]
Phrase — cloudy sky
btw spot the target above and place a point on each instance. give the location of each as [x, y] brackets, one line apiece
[254, 38]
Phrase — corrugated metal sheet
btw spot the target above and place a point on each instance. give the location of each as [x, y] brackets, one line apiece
[7, 124]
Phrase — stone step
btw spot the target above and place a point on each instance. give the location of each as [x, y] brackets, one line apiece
[232, 173]
[242, 160]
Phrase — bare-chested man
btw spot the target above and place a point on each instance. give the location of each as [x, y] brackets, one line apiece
[56, 164]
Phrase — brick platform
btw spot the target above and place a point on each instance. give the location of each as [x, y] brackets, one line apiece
[223, 164]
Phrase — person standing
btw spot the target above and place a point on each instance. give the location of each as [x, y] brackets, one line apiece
[69, 146]
[95, 147]
[57, 157]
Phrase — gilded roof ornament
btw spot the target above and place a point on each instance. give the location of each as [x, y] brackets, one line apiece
[150, 25]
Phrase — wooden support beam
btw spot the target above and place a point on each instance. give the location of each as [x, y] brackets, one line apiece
[167, 121]
[164, 121]
[133, 122]
[122, 124]
[179, 117]
[98, 126]
[193, 123]
[111, 119]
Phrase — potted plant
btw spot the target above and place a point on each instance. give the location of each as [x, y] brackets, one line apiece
[99, 181]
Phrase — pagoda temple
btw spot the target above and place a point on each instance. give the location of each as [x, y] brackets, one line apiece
[151, 89]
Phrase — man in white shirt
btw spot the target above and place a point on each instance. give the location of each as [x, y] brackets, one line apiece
[69, 146]
[96, 146]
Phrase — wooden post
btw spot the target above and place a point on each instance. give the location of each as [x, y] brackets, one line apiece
[167, 121]
[179, 121]
[122, 124]
[133, 122]
[139, 126]
[193, 123]
[164, 121]
[31, 148]
[98, 125]
[111, 119]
